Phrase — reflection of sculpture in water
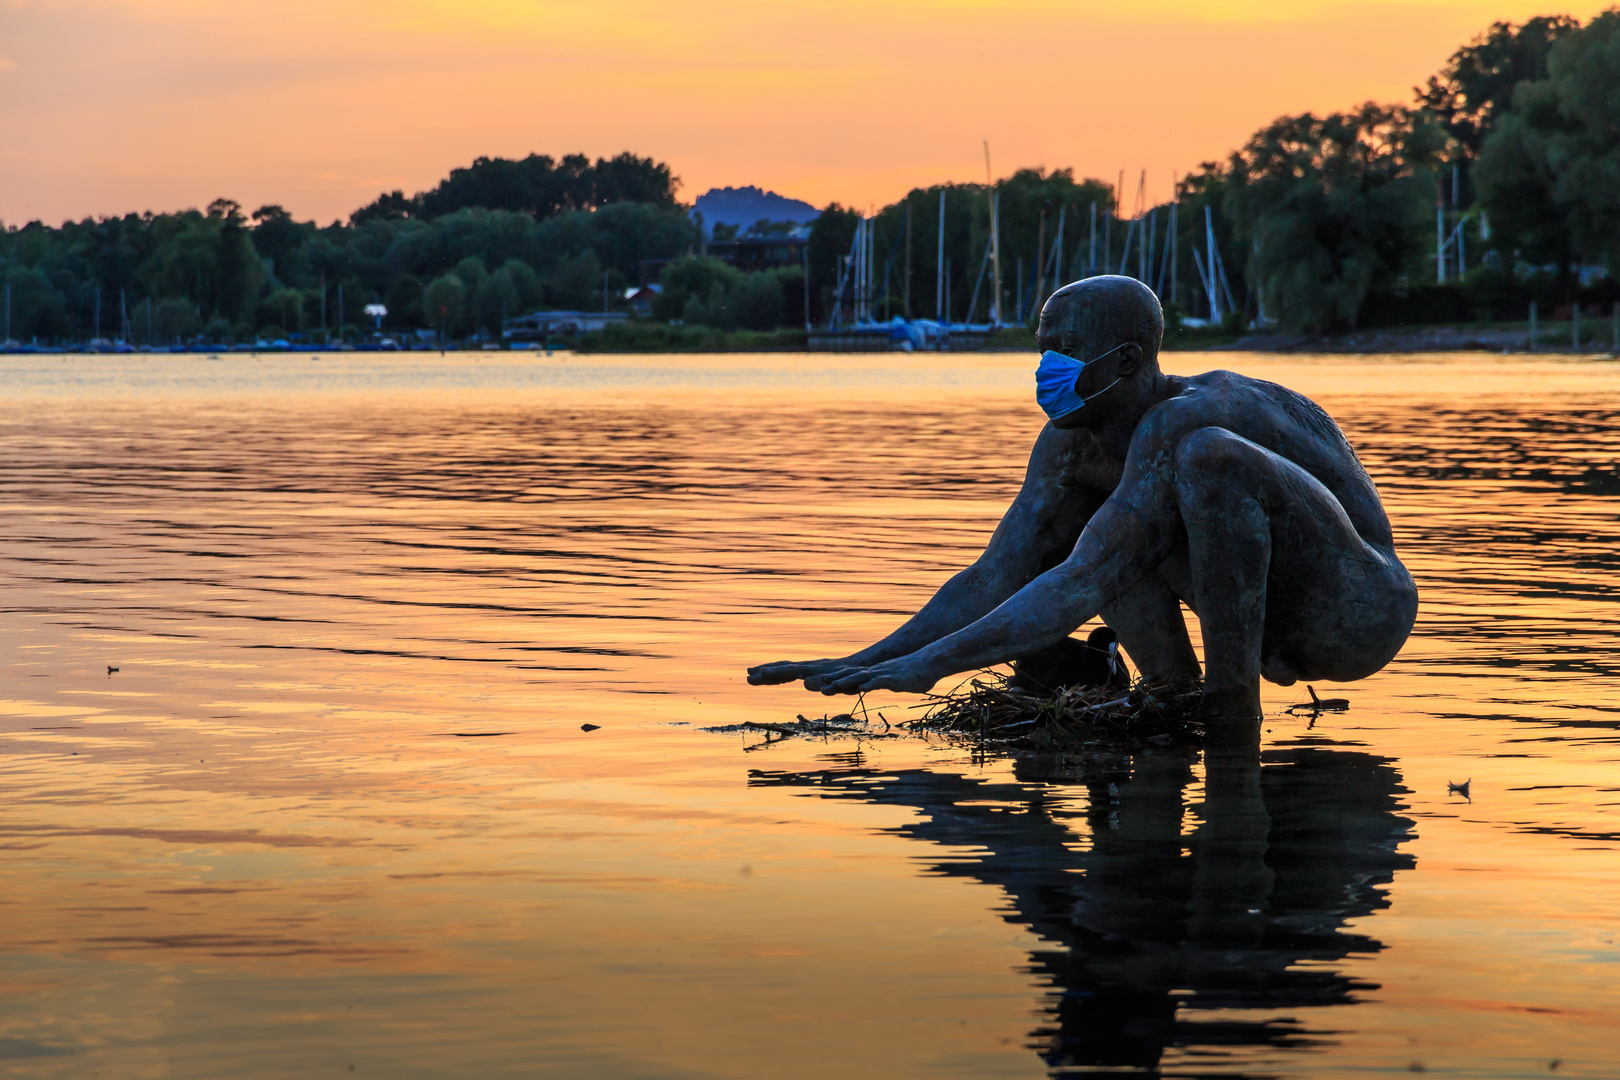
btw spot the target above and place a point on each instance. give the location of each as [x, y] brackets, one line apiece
[1238, 497]
[1161, 926]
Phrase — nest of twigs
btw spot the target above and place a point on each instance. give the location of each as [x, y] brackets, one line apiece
[990, 710]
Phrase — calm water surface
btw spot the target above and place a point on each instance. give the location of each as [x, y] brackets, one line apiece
[334, 812]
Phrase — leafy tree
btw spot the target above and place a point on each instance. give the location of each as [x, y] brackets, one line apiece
[472, 272]
[428, 250]
[443, 303]
[177, 320]
[576, 283]
[791, 279]
[630, 179]
[1476, 86]
[693, 278]
[530, 290]
[1333, 205]
[280, 240]
[404, 304]
[391, 206]
[495, 299]
[38, 308]
[540, 186]
[283, 308]
[241, 272]
[1549, 174]
[757, 303]
[208, 259]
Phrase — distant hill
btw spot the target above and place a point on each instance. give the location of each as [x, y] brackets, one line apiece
[746, 205]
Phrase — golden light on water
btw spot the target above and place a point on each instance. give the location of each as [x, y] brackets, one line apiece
[336, 807]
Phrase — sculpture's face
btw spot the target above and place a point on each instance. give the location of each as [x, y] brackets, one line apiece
[1062, 330]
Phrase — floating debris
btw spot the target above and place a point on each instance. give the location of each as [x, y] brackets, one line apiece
[842, 726]
[993, 710]
[1460, 789]
[589, 727]
[1317, 705]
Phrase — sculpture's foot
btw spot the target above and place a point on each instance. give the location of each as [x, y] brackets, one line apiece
[1226, 704]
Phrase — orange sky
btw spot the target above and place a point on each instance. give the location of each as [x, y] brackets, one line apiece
[115, 105]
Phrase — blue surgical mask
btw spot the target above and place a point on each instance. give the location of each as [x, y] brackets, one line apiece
[1055, 379]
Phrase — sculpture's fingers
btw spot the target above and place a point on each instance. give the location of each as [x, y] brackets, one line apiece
[782, 671]
[854, 680]
[817, 679]
[847, 681]
[770, 674]
[888, 682]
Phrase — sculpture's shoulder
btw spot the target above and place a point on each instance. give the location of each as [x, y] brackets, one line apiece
[1254, 408]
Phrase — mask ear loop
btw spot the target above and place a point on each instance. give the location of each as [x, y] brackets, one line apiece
[1087, 400]
[1099, 356]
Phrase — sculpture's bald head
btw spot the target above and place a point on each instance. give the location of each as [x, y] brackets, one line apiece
[1086, 317]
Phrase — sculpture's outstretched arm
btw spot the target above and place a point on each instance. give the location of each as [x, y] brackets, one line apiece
[1123, 541]
[1037, 531]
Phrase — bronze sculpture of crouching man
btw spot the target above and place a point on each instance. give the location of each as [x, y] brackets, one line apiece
[1236, 496]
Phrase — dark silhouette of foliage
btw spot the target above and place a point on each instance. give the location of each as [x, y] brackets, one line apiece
[540, 186]
[1330, 206]
[1549, 174]
[389, 206]
[1476, 86]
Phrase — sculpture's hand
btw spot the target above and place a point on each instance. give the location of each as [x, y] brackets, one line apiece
[905, 674]
[791, 671]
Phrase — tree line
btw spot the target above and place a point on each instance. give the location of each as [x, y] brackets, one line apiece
[563, 233]
[1496, 185]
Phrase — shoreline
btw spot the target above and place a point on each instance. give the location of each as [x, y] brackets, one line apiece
[1504, 339]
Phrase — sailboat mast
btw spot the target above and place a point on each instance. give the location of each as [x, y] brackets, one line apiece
[1175, 204]
[1039, 268]
[939, 264]
[907, 286]
[1209, 254]
[1091, 266]
[860, 273]
[1057, 250]
[995, 239]
[871, 275]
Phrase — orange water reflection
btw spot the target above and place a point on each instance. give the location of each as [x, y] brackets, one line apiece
[267, 844]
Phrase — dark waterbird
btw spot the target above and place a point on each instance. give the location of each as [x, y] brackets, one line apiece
[1093, 662]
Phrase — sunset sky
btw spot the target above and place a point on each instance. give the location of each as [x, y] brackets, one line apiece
[108, 106]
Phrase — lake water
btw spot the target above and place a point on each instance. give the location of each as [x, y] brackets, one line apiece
[334, 813]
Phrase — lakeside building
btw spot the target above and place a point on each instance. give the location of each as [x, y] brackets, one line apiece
[541, 325]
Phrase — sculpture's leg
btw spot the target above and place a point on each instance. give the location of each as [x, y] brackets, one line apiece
[1152, 630]
[1279, 573]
